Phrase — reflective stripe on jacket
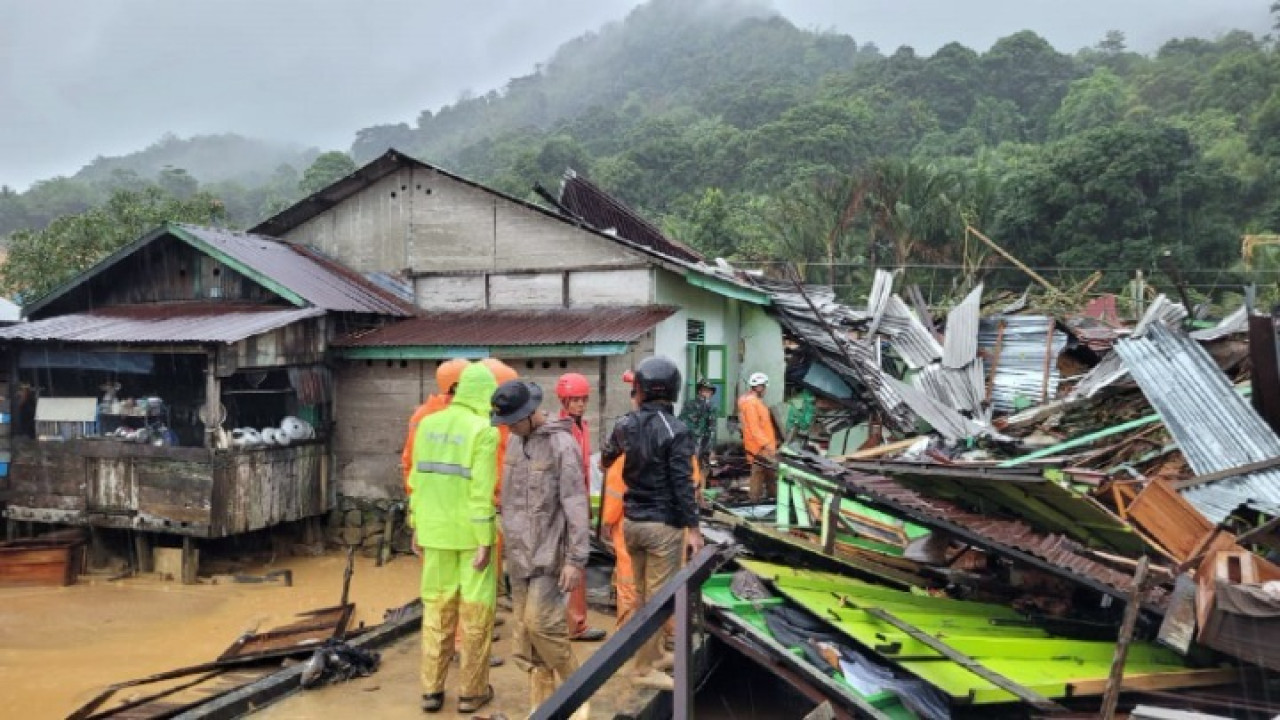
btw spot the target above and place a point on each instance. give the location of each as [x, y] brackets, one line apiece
[434, 404]
[544, 505]
[455, 469]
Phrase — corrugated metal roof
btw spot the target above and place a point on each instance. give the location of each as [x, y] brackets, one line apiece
[960, 346]
[317, 279]
[878, 299]
[1214, 426]
[604, 212]
[473, 328]
[162, 323]
[1026, 366]
[1234, 324]
[946, 421]
[962, 389]
[856, 361]
[910, 338]
[1162, 310]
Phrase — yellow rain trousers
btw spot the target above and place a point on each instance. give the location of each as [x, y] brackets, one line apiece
[451, 591]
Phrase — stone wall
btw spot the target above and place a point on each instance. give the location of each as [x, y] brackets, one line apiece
[363, 523]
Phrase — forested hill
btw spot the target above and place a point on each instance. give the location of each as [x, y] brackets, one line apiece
[753, 139]
[748, 137]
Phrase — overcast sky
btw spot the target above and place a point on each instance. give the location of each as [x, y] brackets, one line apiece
[80, 78]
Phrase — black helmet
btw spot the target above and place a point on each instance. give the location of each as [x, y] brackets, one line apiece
[515, 400]
[704, 384]
[658, 378]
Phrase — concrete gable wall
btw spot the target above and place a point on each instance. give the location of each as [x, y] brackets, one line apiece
[424, 221]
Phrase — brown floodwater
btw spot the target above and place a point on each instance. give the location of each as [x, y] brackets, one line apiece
[60, 646]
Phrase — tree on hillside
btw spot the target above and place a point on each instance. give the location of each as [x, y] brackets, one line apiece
[177, 182]
[40, 260]
[327, 169]
[1098, 100]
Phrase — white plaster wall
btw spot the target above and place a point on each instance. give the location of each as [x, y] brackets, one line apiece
[594, 288]
[526, 290]
[449, 292]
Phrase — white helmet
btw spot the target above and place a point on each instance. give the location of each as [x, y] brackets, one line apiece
[758, 379]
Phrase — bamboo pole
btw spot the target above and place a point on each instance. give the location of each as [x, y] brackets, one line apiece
[1016, 262]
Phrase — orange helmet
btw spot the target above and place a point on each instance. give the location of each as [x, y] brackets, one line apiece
[502, 372]
[448, 372]
[572, 385]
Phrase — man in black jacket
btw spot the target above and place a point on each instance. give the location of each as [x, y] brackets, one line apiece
[659, 510]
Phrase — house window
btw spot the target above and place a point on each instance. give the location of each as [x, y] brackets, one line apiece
[708, 362]
[695, 331]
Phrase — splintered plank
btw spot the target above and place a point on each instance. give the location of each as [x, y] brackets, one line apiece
[1027, 695]
[312, 629]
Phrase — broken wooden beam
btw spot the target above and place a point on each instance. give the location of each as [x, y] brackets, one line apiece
[1025, 694]
[1112, 696]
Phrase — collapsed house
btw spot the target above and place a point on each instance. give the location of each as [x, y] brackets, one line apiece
[1062, 466]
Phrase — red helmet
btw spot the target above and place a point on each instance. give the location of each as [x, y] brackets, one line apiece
[629, 377]
[572, 385]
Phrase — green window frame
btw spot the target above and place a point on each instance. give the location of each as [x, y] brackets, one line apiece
[711, 362]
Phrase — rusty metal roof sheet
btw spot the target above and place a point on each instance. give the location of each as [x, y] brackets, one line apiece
[162, 323]
[319, 280]
[1052, 552]
[604, 212]
[515, 327]
[1027, 495]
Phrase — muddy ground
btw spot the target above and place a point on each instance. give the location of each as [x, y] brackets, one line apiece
[60, 646]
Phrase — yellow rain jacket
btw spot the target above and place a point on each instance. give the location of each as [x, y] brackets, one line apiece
[455, 468]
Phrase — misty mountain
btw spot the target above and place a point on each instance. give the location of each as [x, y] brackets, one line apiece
[699, 54]
[207, 158]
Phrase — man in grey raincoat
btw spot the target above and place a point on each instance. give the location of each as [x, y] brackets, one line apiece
[545, 522]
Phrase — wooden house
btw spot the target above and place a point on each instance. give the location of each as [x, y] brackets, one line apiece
[146, 371]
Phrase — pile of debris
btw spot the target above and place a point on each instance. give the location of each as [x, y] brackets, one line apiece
[1066, 466]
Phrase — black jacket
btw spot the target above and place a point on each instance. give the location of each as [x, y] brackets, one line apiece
[659, 463]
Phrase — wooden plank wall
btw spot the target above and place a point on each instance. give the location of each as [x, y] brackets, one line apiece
[259, 488]
[45, 482]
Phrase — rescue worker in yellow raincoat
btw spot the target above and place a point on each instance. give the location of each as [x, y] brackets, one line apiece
[454, 473]
[758, 437]
[548, 533]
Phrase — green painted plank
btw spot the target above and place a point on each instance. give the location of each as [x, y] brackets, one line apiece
[1026, 656]
[726, 288]
[801, 507]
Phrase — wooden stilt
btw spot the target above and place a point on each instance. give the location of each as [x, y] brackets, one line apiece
[190, 560]
[142, 552]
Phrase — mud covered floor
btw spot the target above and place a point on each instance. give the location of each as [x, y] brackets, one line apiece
[60, 646]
